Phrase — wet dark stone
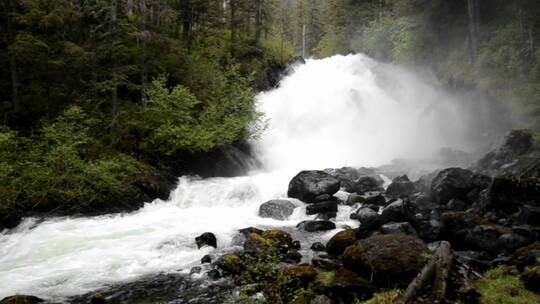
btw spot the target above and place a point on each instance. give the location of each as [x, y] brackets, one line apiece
[206, 259]
[195, 270]
[21, 299]
[213, 274]
[317, 246]
[276, 209]
[313, 226]
[206, 239]
[322, 207]
[307, 185]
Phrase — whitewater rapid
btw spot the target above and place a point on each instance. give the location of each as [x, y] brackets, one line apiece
[334, 112]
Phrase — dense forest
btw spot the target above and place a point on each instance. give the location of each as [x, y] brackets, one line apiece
[99, 96]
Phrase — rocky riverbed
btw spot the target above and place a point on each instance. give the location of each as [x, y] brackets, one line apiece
[488, 213]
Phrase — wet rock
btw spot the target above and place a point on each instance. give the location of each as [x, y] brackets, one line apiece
[325, 265]
[368, 218]
[213, 274]
[206, 239]
[509, 193]
[296, 245]
[377, 200]
[429, 230]
[206, 259]
[292, 256]
[313, 226]
[419, 208]
[21, 299]
[517, 156]
[531, 279]
[386, 258]
[467, 231]
[317, 246]
[346, 175]
[230, 264]
[353, 199]
[457, 205]
[322, 207]
[397, 228]
[321, 299]
[366, 184]
[307, 185]
[511, 241]
[306, 273]
[195, 270]
[525, 256]
[341, 240]
[326, 216]
[400, 187]
[248, 230]
[277, 209]
[343, 286]
[528, 215]
[456, 183]
[98, 298]
[256, 244]
[283, 239]
[395, 212]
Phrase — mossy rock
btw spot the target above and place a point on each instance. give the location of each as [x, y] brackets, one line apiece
[341, 240]
[525, 256]
[388, 259]
[306, 273]
[255, 244]
[281, 238]
[21, 299]
[230, 264]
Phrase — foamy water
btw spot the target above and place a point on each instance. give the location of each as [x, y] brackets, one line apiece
[344, 110]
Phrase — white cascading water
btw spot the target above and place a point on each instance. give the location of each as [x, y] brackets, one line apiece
[343, 110]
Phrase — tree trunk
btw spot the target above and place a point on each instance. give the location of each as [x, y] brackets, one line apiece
[144, 51]
[233, 24]
[474, 24]
[114, 90]
[258, 21]
[12, 59]
[437, 271]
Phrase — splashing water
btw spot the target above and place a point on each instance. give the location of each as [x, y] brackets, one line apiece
[344, 110]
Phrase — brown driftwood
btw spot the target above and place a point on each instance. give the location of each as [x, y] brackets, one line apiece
[436, 272]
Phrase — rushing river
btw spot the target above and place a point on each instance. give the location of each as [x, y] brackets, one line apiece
[339, 111]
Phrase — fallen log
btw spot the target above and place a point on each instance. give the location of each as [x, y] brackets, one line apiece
[435, 273]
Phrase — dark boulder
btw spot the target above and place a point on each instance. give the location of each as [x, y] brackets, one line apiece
[508, 194]
[341, 240]
[206, 239]
[518, 156]
[456, 183]
[346, 175]
[343, 286]
[21, 299]
[397, 228]
[230, 264]
[98, 298]
[307, 185]
[206, 259]
[457, 205]
[388, 259]
[531, 279]
[429, 230]
[313, 226]
[366, 184]
[353, 199]
[322, 207]
[305, 273]
[276, 209]
[368, 218]
[317, 246]
[394, 212]
[400, 187]
[377, 200]
[214, 274]
[525, 256]
[467, 231]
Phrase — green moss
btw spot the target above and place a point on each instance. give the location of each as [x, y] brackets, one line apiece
[502, 285]
[326, 277]
[383, 297]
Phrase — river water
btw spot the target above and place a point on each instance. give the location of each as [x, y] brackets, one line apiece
[334, 112]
